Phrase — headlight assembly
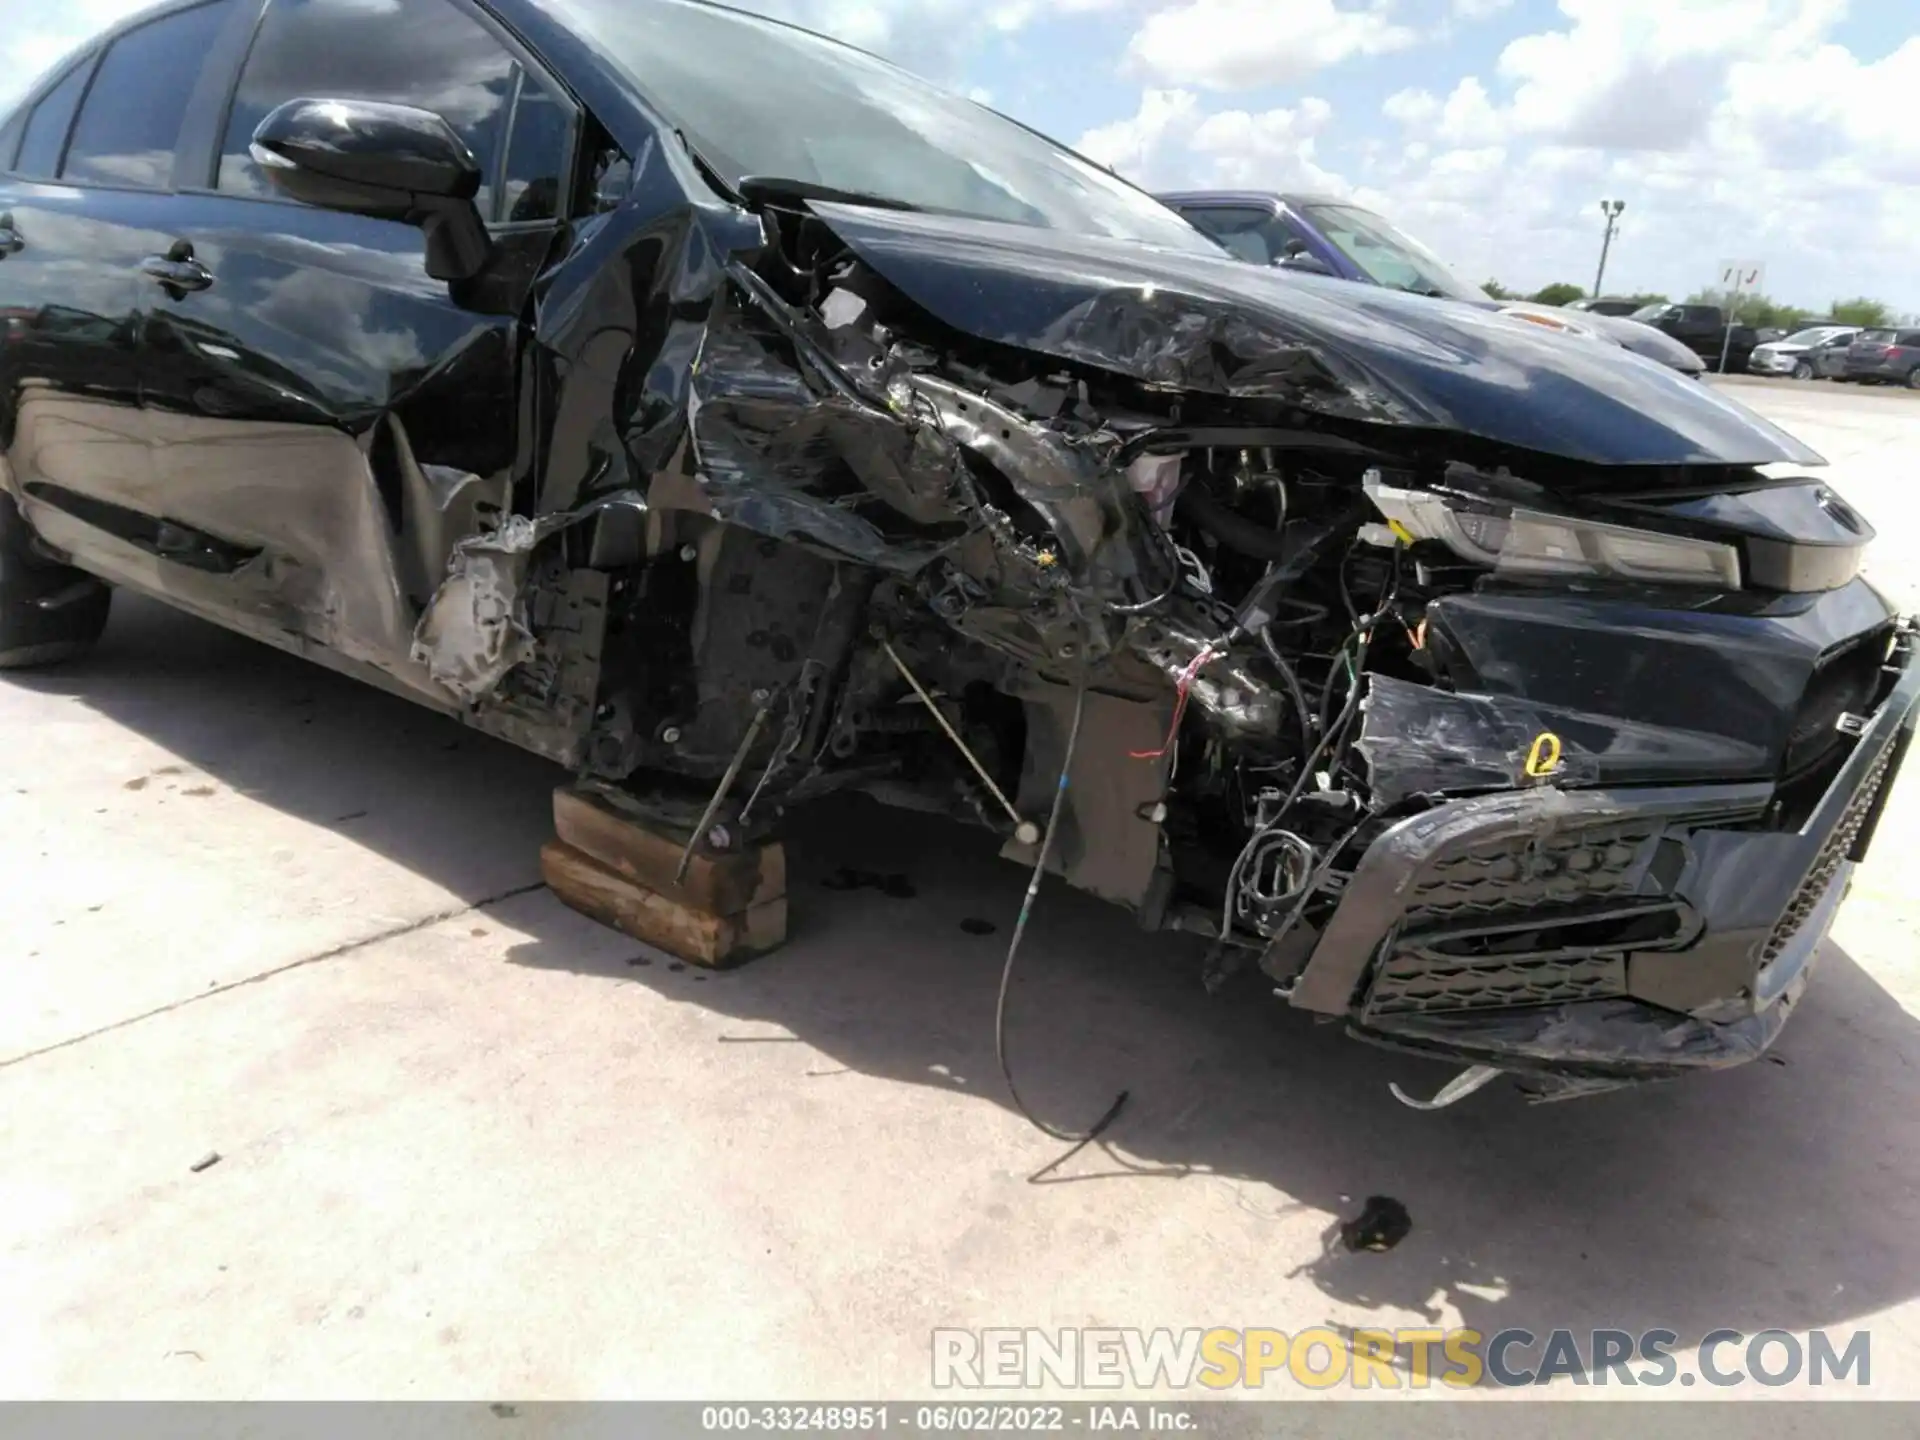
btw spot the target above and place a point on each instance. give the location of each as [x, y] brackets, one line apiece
[1511, 540]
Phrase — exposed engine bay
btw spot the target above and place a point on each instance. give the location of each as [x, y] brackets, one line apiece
[1209, 652]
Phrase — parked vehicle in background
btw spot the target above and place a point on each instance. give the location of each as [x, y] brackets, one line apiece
[1326, 236]
[1818, 352]
[1703, 329]
[1885, 357]
[1605, 305]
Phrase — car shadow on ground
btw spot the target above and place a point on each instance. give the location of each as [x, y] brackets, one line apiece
[1784, 1194]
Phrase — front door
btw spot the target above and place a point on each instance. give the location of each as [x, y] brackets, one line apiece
[332, 418]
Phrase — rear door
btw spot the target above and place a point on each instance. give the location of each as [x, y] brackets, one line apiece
[82, 205]
[331, 417]
[1829, 358]
[1867, 351]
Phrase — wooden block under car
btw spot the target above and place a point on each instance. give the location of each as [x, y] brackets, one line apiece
[728, 884]
[695, 935]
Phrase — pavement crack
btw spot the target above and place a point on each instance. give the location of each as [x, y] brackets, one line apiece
[335, 953]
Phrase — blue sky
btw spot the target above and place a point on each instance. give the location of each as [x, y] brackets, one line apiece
[1773, 130]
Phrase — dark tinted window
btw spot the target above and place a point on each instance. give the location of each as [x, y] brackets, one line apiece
[1247, 234]
[425, 53]
[131, 119]
[47, 126]
[535, 155]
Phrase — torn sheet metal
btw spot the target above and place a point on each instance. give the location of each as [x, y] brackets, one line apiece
[784, 446]
[1417, 740]
[476, 628]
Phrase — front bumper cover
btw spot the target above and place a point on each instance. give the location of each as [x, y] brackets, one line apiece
[1489, 930]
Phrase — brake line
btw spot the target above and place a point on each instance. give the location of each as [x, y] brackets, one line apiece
[1020, 930]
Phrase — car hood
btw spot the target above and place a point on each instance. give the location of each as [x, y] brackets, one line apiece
[1186, 320]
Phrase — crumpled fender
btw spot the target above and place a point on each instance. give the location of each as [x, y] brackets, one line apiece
[1188, 321]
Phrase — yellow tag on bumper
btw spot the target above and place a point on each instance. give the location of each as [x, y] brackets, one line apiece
[1544, 758]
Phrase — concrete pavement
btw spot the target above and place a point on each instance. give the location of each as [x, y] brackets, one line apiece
[472, 1145]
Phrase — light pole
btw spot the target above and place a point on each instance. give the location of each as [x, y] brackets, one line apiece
[1611, 209]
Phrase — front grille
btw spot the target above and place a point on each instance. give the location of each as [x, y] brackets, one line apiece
[1528, 872]
[1416, 982]
[1468, 906]
[1834, 852]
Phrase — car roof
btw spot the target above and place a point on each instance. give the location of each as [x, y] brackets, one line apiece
[1243, 197]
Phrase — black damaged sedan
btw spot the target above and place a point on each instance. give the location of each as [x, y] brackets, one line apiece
[733, 419]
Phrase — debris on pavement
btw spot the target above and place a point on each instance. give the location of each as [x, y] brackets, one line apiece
[1382, 1223]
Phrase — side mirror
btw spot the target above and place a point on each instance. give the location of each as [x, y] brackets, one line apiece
[1302, 259]
[391, 162]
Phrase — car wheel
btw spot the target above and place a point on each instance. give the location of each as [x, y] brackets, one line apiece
[1803, 371]
[1913, 378]
[48, 612]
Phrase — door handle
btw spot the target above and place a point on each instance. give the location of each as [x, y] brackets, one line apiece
[11, 242]
[177, 275]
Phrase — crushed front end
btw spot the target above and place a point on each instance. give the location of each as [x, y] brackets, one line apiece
[1456, 679]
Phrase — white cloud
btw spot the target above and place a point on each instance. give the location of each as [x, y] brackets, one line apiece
[1172, 142]
[37, 33]
[1468, 116]
[1731, 128]
[1238, 44]
[1644, 74]
[1415, 109]
[1141, 144]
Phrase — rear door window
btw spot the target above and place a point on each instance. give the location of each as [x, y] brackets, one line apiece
[1908, 337]
[130, 120]
[1243, 232]
[45, 135]
[429, 54]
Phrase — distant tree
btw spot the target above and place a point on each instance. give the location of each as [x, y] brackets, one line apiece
[1558, 293]
[1752, 308]
[1860, 311]
[1498, 291]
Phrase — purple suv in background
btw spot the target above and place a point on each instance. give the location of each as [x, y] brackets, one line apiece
[1323, 235]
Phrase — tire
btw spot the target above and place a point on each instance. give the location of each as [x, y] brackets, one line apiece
[1803, 371]
[48, 612]
[1913, 378]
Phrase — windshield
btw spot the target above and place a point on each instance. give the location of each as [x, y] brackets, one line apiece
[1813, 336]
[758, 98]
[1651, 312]
[1389, 256]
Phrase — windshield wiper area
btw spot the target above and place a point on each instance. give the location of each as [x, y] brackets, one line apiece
[758, 190]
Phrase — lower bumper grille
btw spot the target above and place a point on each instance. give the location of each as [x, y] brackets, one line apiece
[1417, 982]
[1834, 852]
